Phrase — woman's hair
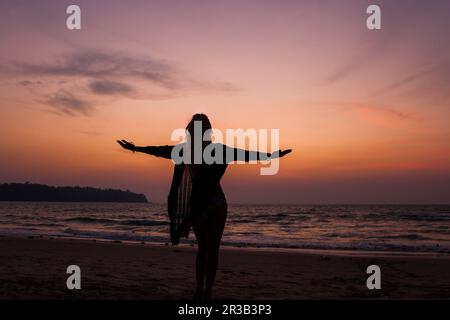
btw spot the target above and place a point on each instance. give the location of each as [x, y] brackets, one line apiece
[203, 120]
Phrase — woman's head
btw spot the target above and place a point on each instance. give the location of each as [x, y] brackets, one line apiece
[203, 122]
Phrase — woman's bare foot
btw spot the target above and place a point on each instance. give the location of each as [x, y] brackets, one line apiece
[198, 294]
[207, 295]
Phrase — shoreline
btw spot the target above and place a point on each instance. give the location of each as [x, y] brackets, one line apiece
[276, 248]
[312, 251]
[36, 269]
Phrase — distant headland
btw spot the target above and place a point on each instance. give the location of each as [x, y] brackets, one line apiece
[39, 192]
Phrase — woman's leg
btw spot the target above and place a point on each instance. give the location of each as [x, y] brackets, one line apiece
[200, 261]
[214, 234]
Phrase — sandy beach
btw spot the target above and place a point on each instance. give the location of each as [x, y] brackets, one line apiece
[36, 269]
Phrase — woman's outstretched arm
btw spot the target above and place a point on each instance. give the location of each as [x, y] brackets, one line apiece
[235, 154]
[158, 151]
[280, 153]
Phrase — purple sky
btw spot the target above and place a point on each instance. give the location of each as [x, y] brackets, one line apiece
[366, 112]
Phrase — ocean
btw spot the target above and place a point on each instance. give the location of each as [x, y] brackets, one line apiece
[405, 228]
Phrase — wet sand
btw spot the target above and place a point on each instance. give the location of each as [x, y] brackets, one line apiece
[36, 269]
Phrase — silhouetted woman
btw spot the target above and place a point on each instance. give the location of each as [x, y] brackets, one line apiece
[196, 197]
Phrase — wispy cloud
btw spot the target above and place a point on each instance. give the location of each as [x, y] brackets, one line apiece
[109, 87]
[91, 133]
[381, 116]
[430, 83]
[97, 64]
[82, 79]
[67, 104]
[374, 114]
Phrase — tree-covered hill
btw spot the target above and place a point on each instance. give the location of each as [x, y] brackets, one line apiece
[39, 192]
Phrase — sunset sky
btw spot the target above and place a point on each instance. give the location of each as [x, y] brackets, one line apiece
[366, 112]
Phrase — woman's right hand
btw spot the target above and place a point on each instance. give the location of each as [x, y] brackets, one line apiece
[127, 145]
[281, 153]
